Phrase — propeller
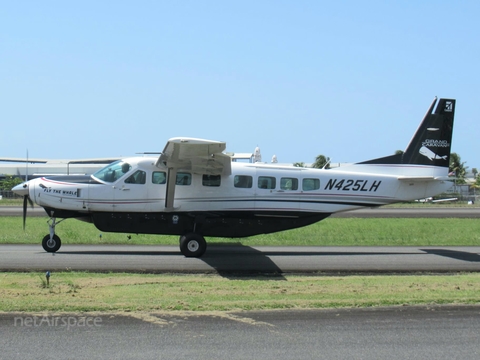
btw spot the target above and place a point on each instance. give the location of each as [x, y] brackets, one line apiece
[22, 189]
[26, 199]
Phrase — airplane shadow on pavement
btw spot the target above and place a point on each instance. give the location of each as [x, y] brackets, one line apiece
[236, 259]
[454, 254]
[229, 261]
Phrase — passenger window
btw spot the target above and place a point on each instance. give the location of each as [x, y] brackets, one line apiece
[242, 181]
[184, 179]
[310, 184]
[138, 177]
[289, 184]
[211, 180]
[159, 177]
[266, 182]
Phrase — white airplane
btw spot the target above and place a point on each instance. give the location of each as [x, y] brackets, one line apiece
[193, 189]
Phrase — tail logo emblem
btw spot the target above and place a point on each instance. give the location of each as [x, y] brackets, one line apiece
[448, 106]
[430, 154]
[431, 143]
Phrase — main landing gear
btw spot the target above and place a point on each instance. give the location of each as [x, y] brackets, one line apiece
[192, 245]
[51, 242]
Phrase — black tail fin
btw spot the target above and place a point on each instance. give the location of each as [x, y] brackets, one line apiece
[431, 143]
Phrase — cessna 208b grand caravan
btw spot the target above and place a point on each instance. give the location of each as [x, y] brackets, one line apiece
[194, 190]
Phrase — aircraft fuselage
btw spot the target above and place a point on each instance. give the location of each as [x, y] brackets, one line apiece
[256, 198]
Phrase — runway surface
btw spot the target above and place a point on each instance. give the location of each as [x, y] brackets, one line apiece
[240, 259]
[385, 333]
[244, 259]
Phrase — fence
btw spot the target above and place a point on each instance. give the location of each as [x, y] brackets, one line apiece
[7, 194]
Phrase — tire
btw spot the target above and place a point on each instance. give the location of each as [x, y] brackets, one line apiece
[51, 245]
[192, 245]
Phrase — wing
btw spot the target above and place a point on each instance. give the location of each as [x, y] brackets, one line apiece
[196, 155]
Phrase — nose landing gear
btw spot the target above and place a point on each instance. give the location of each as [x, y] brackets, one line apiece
[51, 242]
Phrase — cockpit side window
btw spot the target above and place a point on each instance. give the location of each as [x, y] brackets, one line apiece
[138, 177]
[113, 172]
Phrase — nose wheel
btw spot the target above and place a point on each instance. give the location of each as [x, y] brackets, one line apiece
[192, 245]
[51, 242]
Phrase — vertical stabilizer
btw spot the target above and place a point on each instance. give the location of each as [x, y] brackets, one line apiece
[431, 144]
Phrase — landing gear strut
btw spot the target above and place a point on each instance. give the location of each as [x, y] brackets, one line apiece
[51, 242]
[192, 245]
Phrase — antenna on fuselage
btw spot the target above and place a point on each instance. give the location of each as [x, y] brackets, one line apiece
[326, 164]
[257, 157]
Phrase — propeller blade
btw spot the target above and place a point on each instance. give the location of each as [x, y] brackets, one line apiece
[25, 200]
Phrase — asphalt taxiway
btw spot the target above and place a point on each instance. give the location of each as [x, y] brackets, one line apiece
[381, 333]
[241, 259]
[245, 259]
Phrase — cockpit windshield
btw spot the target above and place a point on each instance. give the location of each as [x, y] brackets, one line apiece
[113, 172]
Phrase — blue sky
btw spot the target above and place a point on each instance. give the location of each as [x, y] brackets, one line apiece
[347, 79]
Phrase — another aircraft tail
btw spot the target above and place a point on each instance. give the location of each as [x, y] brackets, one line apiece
[431, 143]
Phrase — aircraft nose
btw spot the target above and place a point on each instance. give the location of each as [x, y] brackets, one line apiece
[21, 189]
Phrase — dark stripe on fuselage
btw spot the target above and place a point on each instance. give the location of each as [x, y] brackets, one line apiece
[335, 202]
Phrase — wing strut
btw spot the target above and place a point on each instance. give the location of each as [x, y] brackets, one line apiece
[195, 155]
[171, 183]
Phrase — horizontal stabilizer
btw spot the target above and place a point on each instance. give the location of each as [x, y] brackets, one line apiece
[425, 178]
[416, 178]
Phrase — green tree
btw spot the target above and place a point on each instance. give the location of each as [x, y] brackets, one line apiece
[321, 161]
[9, 182]
[457, 166]
[474, 172]
[299, 164]
[476, 186]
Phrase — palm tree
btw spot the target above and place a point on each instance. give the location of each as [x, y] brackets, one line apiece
[458, 168]
[321, 161]
[474, 172]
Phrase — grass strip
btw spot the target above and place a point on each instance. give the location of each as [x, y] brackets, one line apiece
[86, 292]
[330, 232]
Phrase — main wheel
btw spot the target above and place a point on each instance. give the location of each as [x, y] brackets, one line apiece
[51, 245]
[192, 245]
